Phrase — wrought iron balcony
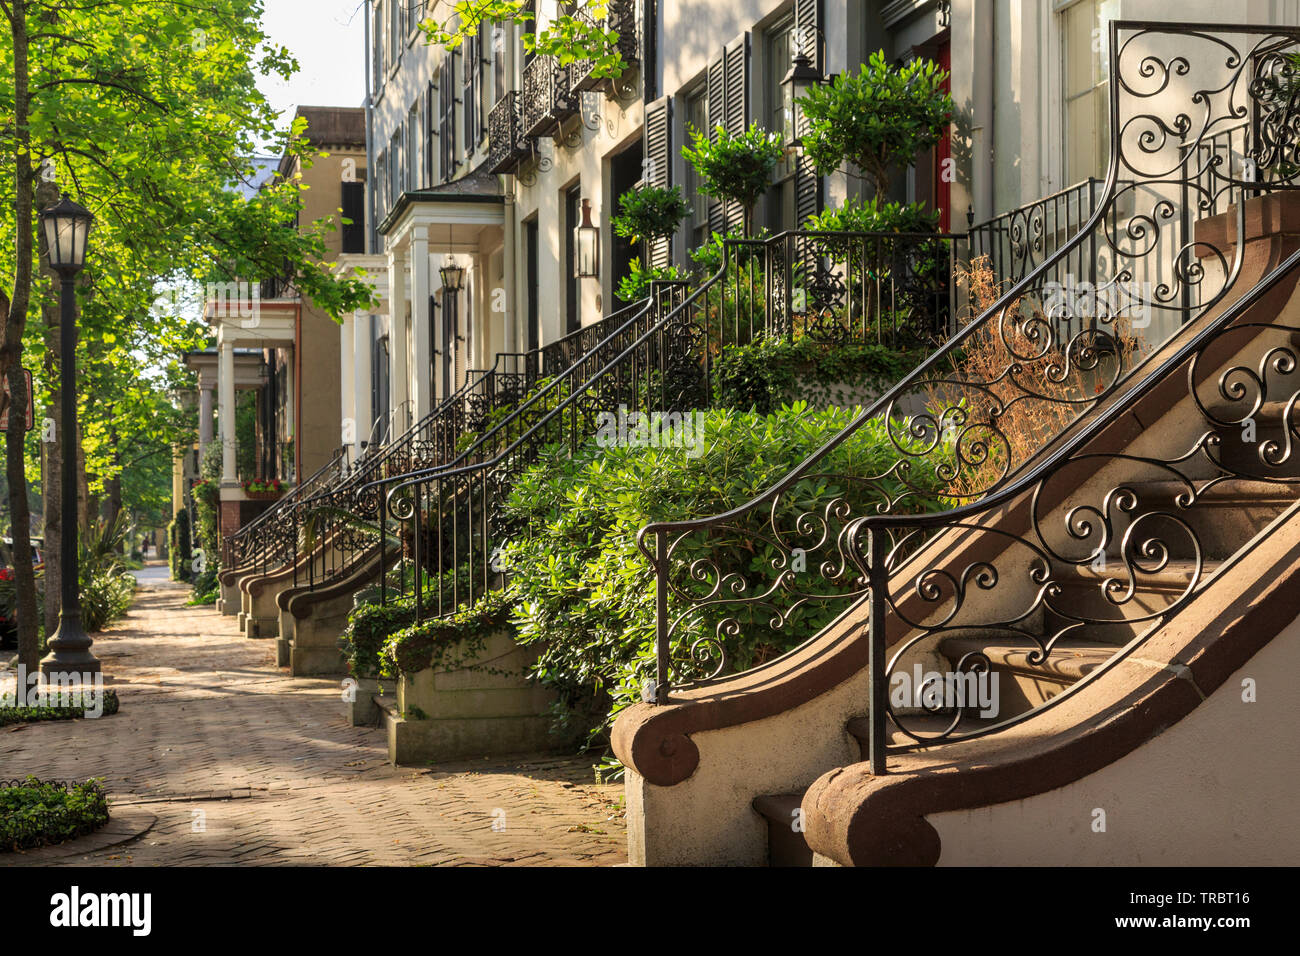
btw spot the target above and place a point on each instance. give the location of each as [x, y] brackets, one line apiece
[548, 99]
[621, 19]
[507, 147]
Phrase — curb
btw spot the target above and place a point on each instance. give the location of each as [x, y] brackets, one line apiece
[123, 826]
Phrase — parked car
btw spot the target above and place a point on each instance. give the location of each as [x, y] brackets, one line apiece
[8, 621]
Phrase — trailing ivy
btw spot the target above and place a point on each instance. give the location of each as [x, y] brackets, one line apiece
[368, 629]
[452, 642]
[772, 372]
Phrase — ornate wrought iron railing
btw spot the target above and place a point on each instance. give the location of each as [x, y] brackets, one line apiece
[621, 19]
[1041, 355]
[1019, 241]
[345, 520]
[863, 287]
[253, 545]
[507, 146]
[450, 520]
[547, 98]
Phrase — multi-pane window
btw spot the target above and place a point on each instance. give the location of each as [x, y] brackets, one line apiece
[778, 55]
[412, 148]
[471, 73]
[697, 118]
[498, 61]
[377, 47]
[1085, 33]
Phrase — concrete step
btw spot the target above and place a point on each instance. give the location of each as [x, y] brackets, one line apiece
[786, 845]
[1099, 596]
[1255, 458]
[1023, 685]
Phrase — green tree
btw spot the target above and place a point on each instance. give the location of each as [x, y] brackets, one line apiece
[735, 167]
[877, 119]
[147, 113]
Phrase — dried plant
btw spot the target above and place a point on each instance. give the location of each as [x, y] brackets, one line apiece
[1020, 380]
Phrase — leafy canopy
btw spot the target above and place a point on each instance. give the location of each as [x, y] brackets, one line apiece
[735, 167]
[877, 119]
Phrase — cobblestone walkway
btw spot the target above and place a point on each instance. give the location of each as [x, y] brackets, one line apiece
[245, 765]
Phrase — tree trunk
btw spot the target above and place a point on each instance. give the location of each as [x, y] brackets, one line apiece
[11, 351]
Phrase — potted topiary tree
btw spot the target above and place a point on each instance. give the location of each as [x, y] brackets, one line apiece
[648, 214]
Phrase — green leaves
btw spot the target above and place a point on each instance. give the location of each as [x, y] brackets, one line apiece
[878, 119]
[735, 167]
[649, 212]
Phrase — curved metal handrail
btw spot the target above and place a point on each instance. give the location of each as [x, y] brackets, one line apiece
[1205, 181]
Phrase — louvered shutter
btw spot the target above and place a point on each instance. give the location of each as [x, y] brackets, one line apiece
[658, 166]
[728, 107]
[430, 134]
[447, 118]
[471, 67]
[807, 40]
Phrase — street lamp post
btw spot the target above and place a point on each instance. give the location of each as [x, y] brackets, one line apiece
[66, 226]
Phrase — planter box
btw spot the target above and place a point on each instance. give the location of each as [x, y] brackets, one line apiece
[263, 495]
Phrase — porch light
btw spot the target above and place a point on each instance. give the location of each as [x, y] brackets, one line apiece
[802, 77]
[586, 240]
[453, 274]
[66, 226]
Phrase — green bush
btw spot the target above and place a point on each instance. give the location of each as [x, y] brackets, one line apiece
[179, 555]
[735, 167]
[647, 213]
[585, 596]
[37, 813]
[106, 598]
[368, 630]
[64, 710]
[635, 286]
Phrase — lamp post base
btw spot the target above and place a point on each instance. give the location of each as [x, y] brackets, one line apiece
[70, 650]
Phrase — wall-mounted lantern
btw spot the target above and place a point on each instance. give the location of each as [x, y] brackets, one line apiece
[802, 77]
[586, 242]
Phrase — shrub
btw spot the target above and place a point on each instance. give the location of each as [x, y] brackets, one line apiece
[106, 598]
[647, 213]
[37, 813]
[368, 630]
[635, 286]
[179, 538]
[585, 596]
[71, 709]
[735, 167]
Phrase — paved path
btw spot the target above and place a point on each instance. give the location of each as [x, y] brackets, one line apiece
[245, 765]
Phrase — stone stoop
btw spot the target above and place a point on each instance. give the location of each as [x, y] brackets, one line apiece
[451, 715]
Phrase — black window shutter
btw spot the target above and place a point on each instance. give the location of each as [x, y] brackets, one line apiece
[469, 106]
[354, 208]
[715, 111]
[735, 110]
[658, 154]
[430, 133]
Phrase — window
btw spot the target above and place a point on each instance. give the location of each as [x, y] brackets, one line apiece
[1085, 39]
[353, 204]
[697, 118]
[394, 170]
[447, 118]
[377, 48]
[471, 79]
[394, 31]
[572, 307]
[412, 170]
[778, 54]
[498, 61]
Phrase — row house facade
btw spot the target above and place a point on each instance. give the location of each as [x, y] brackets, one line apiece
[484, 156]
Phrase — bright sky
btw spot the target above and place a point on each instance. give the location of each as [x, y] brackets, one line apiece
[328, 37]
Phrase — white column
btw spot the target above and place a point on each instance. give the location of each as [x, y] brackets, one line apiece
[361, 378]
[398, 340]
[205, 420]
[347, 398]
[421, 332]
[226, 411]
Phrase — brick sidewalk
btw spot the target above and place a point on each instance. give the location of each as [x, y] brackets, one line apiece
[211, 732]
